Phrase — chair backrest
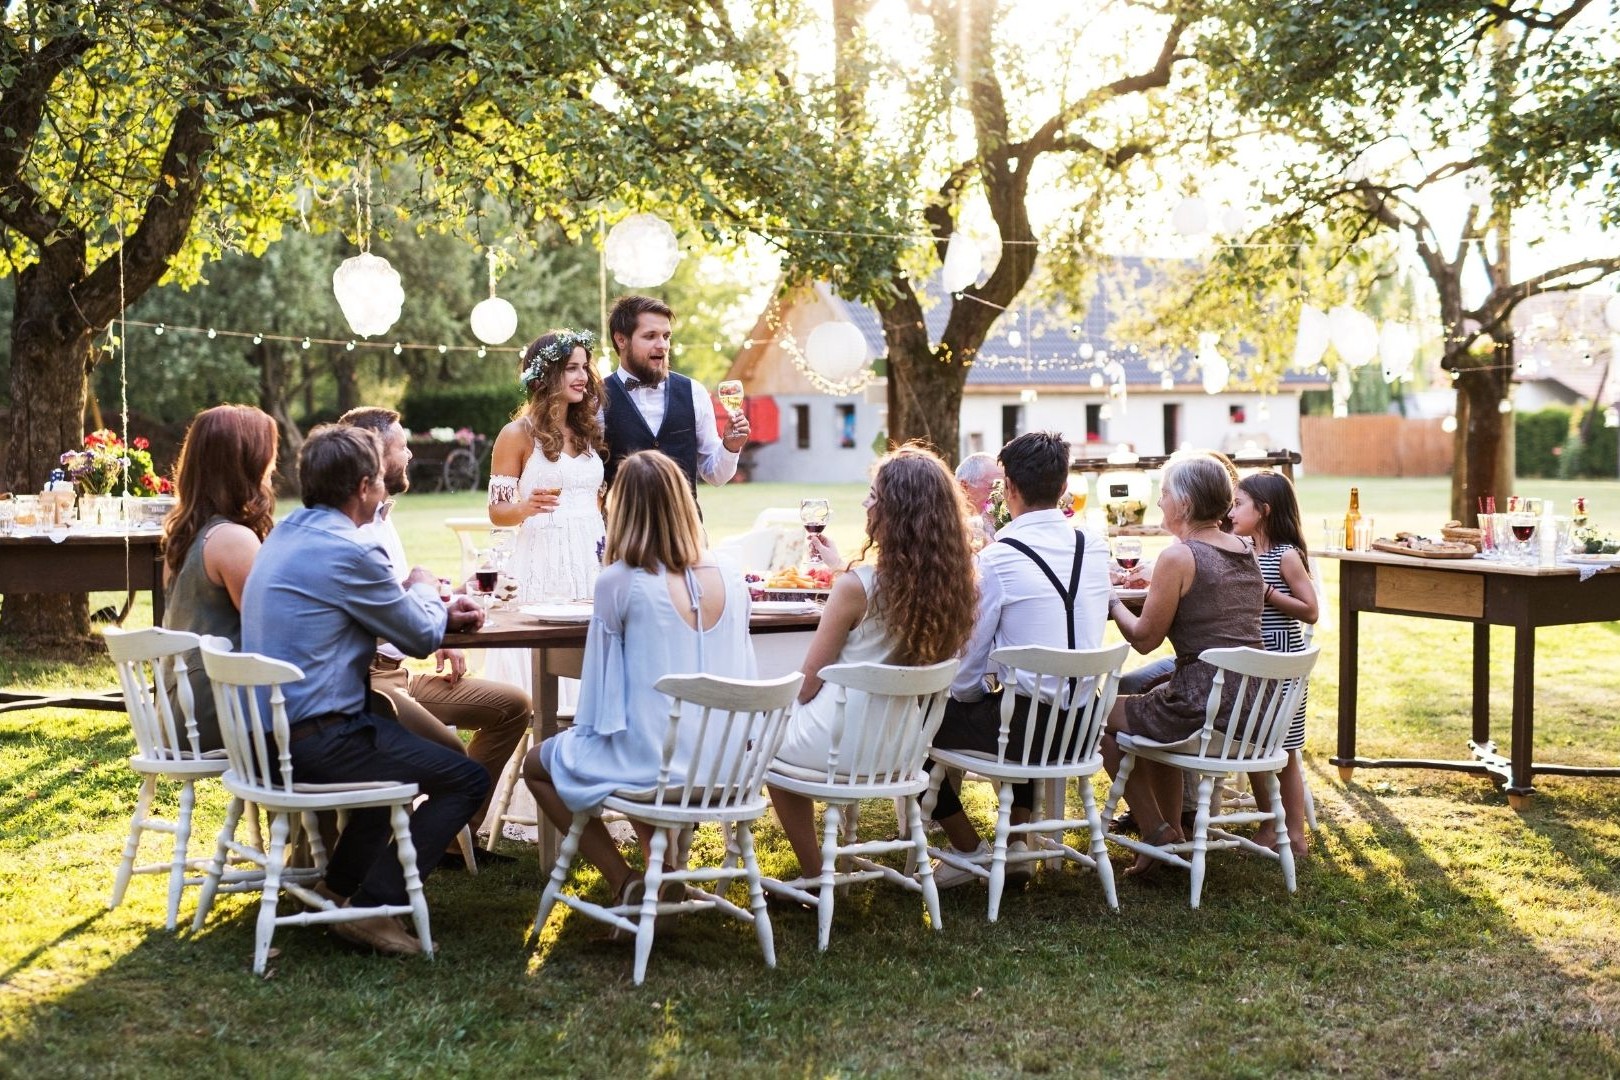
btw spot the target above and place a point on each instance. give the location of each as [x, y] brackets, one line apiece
[254, 729]
[729, 744]
[1077, 686]
[151, 662]
[473, 533]
[886, 740]
[1258, 710]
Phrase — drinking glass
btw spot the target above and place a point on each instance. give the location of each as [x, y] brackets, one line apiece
[731, 395]
[1128, 553]
[548, 518]
[1524, 531]
[8, 513]
[814, 513]
[486, 576]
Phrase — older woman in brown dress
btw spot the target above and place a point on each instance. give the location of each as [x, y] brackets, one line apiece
[1206, 593]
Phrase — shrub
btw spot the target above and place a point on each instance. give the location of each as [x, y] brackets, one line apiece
[1539, 439]
[484, 409]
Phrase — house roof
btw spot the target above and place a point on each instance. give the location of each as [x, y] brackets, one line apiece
[1038, 346]
[1561, 337]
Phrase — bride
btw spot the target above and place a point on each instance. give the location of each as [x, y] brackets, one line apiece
[545, 478]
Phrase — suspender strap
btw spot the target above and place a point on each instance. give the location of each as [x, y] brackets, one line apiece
[1067, 595]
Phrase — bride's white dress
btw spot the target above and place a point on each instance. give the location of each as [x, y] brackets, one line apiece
[555, 558]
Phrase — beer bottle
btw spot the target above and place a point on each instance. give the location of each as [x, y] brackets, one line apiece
[1352, 519]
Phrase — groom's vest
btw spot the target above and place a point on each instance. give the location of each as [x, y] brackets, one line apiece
[627, 430]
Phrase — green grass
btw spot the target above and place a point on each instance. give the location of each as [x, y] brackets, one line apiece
[1434, 931]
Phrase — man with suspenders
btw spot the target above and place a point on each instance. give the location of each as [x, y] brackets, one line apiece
[1043, 582]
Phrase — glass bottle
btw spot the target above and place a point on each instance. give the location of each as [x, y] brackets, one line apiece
[1352, 519]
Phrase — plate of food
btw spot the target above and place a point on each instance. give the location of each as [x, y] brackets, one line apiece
[1423, 548]
[785, 607]
[575, 611]
[1128, 595]
[1599, 559]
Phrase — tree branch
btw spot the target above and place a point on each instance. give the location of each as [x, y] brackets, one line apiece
[1156, 76]
[22, 110]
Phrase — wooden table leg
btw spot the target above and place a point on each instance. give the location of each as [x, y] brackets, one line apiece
[1482, 683]
[1348, 633]
[1520, 784]
[544, 684]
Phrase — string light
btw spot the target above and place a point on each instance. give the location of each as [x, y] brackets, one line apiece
[306, 341]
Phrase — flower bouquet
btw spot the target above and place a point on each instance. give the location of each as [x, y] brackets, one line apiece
[107, 466]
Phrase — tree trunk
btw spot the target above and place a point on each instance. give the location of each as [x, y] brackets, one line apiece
[273, 391]
[348, 382]
[50, 355]
[1484, 446]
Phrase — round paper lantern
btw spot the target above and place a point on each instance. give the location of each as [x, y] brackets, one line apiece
[1014, 339]
[494, 321]
[1191, 217]
[836, 350]
[1233, 221]
[1086, 350]
[1395, 348]
[1215, 370]
[1611, 314]
[1312, 339]
[962, 260]
[369, 292]
[1353, 334]
[642, 251]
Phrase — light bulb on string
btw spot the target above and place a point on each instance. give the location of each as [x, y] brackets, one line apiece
[1505, 405]
[211, 334]
[349, 347]
[305, 344]
[398, 348]
[158, 329]
[443, 349]
[258, 339]
[482, 352]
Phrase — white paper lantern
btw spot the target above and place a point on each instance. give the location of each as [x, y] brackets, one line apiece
[1611, 314]
[836, 350]
[962, 260]
[1014, 339]
[369, 292]
[1096, 380]
[1086, 350]
[1213, 366]
[1353, 334]
[1396, 344]
[1311, 341]
[1191, 217]
[642, 251]
[494, 321]
[1233, 221]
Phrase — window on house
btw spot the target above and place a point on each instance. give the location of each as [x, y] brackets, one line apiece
[1235, 414]
[801, 420]
[1172, 428]
[1012, 423]
[846, 426]
[1094, 422]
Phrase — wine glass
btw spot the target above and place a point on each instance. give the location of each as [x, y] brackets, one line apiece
[486, 576]
[1128, 553]
[814, 513]
[731, 395]
[1524, 530]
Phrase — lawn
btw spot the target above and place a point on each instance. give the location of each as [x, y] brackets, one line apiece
[1435, 930]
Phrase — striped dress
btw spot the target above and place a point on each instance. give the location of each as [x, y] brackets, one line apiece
[1282, 633]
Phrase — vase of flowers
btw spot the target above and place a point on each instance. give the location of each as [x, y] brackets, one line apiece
[106, 465]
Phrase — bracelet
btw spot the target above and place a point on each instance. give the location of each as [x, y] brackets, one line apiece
[1266, 597]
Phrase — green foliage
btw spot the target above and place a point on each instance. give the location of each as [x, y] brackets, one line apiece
[485, 409]
[1592, 450]
[1539, 439]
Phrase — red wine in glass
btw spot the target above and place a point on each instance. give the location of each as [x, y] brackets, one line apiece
[818, 529]
[1523, 533]
[486, 580]
[1127, 562]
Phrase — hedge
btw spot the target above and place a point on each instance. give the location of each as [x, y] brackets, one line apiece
[1539, 439]
[484, 409]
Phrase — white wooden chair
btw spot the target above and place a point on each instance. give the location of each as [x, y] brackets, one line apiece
[739, 725]
[261, 773]
[1269, 686]
[472, 533]
[500, 812]
[167, 747]
[877, 754]
[1079, 687]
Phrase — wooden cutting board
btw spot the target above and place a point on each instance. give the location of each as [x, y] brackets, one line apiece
[1398, 549]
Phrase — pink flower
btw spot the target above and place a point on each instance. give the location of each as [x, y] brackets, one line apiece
[140, 443]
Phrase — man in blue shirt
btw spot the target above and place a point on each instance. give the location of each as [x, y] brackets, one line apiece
[319, 596]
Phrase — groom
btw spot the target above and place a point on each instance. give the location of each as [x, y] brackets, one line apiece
[649, 407]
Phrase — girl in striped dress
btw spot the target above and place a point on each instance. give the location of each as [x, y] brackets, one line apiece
[1265, 509]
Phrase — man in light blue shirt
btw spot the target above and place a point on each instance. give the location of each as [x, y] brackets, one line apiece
[319, 596]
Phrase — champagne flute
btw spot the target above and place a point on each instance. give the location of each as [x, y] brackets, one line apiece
[814, 513]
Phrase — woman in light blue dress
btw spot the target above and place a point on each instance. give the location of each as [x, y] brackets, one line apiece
[664, 605]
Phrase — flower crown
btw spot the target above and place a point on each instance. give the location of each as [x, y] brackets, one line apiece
[558, 351]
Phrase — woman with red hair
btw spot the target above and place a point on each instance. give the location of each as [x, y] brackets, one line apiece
[225, 509]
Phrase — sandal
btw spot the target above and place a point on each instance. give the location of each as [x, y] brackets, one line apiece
[1145, 864]
[631, 894]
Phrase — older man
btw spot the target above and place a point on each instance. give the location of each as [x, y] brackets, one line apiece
[978, 475]
[320, 595]
[431, 704]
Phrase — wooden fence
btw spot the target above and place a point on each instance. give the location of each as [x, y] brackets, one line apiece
[1374, 446]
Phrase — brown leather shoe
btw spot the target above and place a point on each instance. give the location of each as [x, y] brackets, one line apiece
[381, 933]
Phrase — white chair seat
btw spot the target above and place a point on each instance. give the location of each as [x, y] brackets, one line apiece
[803, 781]
[202, 766]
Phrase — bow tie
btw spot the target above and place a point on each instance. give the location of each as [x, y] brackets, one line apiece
[631, 383]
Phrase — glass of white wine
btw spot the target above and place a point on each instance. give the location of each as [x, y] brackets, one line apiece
[731, 395]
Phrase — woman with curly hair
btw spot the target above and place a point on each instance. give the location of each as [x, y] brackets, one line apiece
[914, 606]
[225, 508]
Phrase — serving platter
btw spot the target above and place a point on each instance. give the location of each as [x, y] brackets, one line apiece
[559, 612]
[1395, 548]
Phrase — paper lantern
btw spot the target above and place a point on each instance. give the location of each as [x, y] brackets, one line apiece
[642, 251]
[1233, 221]
[962, 260]
[494, 321]
[1611, 314]
[1396, 345]
[369, 292]
[835, 350]
[1014, 339]
[1191, 217]
[1096, 380]
[1311, 341]
[1167, 381]
[1215, 370]
[1086, 350]
[1353, 334]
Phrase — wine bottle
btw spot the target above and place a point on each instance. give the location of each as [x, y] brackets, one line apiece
[1352, 519]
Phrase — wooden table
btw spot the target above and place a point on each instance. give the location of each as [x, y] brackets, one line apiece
[80, 563]
[1485, 594]
[557, 651]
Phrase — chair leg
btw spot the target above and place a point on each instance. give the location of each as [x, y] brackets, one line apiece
[275, 861]
[925, 867]
[559, 871]
[1127, 762]
[756, 893]
[829, 874]
[1305, 786]
[507, 784]
[406, 850]
[182, 851]
[1206, 791]
[648, 924]
[1099, 845]
[216, 868]
[998, 854]
[464, 840]
[1285, 847]
[132, 845]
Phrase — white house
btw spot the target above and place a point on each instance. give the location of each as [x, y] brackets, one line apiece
[1036, 373]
